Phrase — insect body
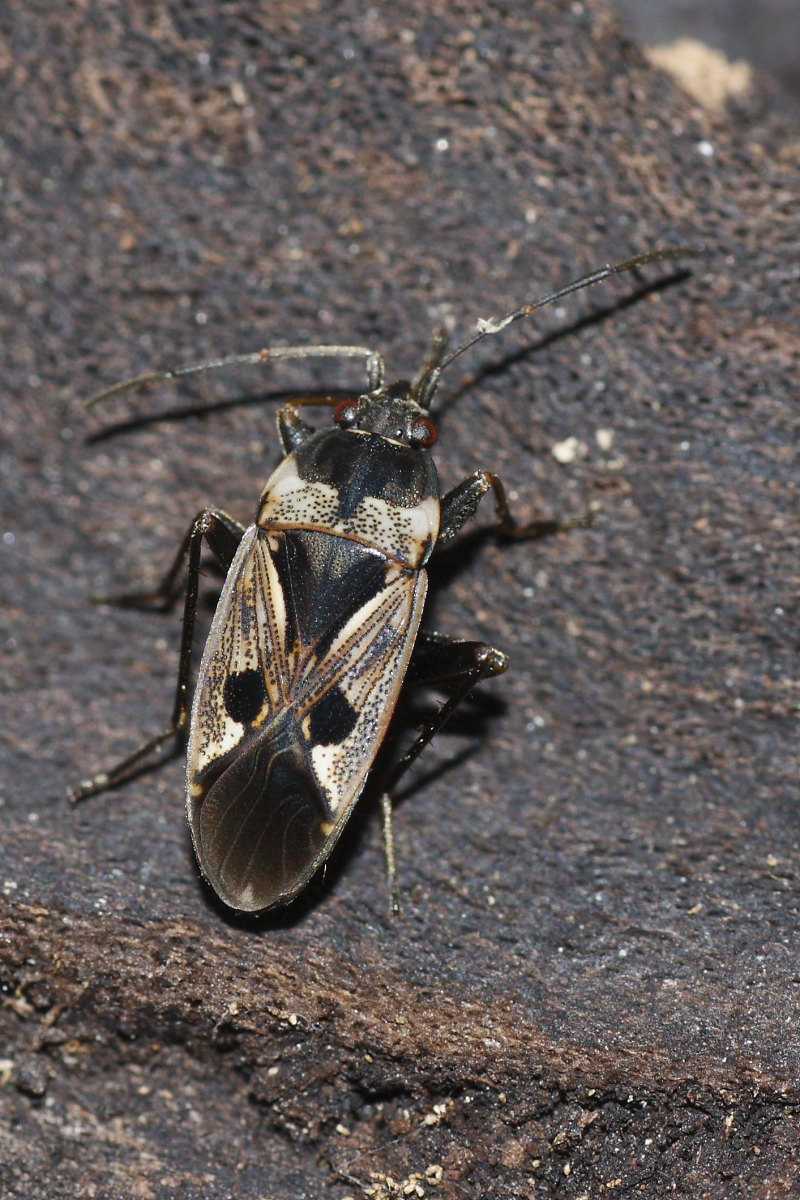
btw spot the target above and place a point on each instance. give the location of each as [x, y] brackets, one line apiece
[309, 647]
[317, 625]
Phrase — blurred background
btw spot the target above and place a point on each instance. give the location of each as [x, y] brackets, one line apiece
[766, 33]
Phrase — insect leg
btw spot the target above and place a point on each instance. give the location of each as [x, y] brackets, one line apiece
[461, 503]
[459, 665]
[293, 430]
[223, 536]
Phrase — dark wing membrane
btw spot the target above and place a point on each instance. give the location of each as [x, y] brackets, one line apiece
[261, 825]
[300, 674]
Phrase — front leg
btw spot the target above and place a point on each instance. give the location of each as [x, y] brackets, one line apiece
[223, 535]
[461, 503]
[294, 432]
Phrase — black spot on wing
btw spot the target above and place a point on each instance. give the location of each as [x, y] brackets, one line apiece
[332, 718]
[258, 830]
[243, 695]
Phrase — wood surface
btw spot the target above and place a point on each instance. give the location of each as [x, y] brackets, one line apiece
[593, 987]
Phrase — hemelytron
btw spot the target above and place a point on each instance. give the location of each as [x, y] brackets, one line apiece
[318, 623]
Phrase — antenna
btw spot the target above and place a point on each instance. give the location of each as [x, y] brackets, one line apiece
[436, 361]
[373, 362]
[487, 327]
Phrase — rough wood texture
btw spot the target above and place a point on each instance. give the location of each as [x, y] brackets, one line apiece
[593, 988]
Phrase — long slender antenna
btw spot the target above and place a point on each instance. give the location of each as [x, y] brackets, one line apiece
[433, 359]
[489, 326]
[373, 361]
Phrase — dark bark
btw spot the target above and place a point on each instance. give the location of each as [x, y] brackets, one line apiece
[593, 986]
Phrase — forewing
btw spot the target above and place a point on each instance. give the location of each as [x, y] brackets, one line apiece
[353, 689]
[248, 662]
[300, 674]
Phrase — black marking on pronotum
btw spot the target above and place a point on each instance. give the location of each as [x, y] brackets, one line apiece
[318, 621]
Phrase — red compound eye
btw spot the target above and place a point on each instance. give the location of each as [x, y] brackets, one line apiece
[345, 411]
[424, 432]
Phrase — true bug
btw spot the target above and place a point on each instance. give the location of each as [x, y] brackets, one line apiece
[318, 621]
